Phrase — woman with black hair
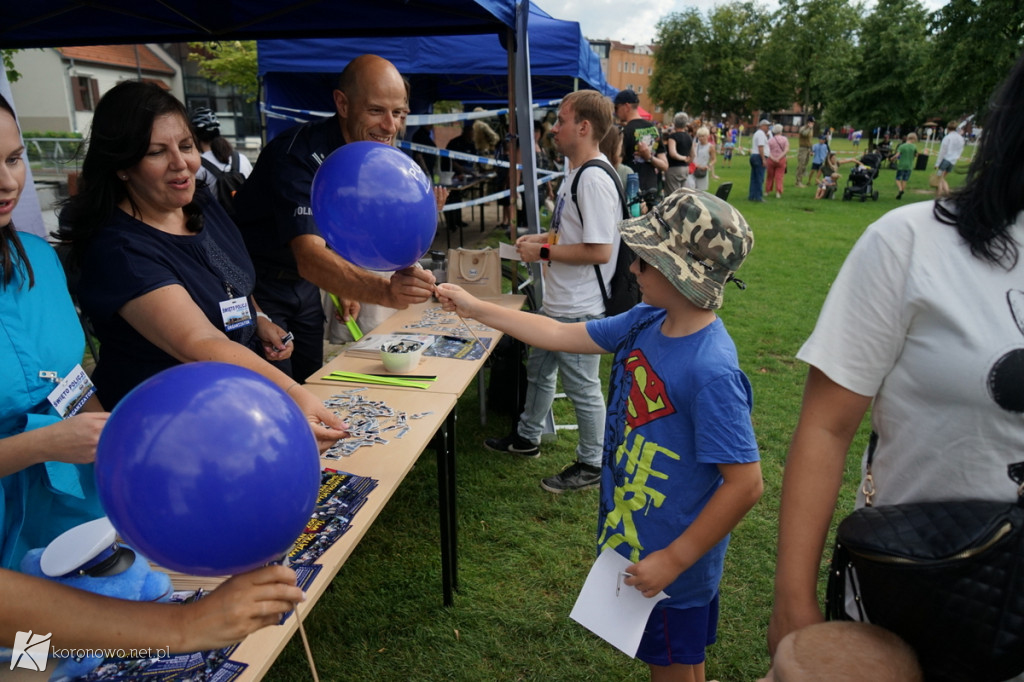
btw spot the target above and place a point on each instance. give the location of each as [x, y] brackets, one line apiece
[46, 473]
[925, 325]
[165, 275]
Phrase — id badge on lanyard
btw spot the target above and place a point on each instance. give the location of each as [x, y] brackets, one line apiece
[72, 392]
[235, 311]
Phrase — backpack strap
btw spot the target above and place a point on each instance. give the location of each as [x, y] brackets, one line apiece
[235, 162]
[212, 167]
[607, 168]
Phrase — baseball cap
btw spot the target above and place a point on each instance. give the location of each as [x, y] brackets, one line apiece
[693, 238]
[764, 122]
[626, 97]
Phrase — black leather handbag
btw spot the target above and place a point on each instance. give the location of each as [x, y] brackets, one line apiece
[947, 577]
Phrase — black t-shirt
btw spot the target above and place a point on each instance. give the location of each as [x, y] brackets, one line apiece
[129, 258]
[683, 144]
[273, 206]
[639, 129]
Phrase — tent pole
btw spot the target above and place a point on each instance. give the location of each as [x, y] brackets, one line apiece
[524, 118]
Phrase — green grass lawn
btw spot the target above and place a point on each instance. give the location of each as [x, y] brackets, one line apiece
[524, 553]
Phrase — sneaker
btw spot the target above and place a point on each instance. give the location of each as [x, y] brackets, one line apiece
[514, 444]
[577, 476]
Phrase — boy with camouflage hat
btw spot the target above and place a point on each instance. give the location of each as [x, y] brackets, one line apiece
[681, 464]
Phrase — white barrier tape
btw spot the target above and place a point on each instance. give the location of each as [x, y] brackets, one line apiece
[411, 120]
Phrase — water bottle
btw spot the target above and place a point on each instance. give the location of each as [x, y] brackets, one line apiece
[633, 193]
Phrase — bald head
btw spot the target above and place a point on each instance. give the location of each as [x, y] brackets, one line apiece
[371, 100]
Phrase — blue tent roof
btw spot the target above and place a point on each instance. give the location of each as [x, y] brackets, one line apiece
[300, 74]
[52, 23]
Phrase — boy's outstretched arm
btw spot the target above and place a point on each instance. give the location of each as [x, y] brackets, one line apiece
[535, 330]
[740, 490]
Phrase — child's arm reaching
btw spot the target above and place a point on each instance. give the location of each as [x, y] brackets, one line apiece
[536, 330]
[740, 489]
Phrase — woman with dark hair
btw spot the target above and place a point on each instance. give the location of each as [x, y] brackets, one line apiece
[165, 275]
[925, 325]
[46, 473]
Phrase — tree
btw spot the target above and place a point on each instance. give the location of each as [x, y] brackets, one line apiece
[229, 63]
[976, 44]
[677, 61]
[887, 86]
[735, 37]
[703, 65]
[8, 57]
[808, 50]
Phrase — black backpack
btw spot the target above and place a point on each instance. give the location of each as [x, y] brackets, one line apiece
[625, 292]
[228, 182]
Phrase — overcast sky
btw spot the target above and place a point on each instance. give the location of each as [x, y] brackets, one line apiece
[634, 22]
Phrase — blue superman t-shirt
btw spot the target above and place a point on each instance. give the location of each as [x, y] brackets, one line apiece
[677, 407]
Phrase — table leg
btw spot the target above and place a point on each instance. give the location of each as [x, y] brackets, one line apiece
[446, 506]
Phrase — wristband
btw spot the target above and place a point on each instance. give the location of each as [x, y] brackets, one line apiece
[545, 252]
[264, 316]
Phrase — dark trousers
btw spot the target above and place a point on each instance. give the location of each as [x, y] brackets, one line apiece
[756, 178]
[295, 305]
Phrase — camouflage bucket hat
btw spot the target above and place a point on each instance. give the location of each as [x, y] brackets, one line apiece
[693, 238]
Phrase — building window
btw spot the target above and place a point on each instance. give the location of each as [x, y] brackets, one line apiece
[650, 70]
[86, 92]
[633, 67]
[640, 90]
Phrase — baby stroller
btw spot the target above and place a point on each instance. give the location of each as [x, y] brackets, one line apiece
[862, 178]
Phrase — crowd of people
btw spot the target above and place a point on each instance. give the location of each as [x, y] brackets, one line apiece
[159, 259]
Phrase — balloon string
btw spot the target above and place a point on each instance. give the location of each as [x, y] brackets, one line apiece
[305, 644]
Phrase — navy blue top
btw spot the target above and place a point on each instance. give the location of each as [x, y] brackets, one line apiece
[273, 206]
[129, 258]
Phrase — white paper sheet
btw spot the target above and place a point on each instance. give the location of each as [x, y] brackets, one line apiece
[508, 251]
[612, 610]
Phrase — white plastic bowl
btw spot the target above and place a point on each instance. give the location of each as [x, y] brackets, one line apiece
[399, 363]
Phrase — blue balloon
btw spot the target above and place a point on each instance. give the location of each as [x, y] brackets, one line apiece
[374, 206]
[208, 469]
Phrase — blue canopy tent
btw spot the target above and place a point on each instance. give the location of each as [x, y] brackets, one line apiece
[50, 23]
[299, 74]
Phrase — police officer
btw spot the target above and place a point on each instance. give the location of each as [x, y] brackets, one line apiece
[274, 215]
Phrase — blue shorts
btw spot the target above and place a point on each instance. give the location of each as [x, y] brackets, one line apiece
[815, 166]
[902, 175]
[679, 635]
[945, 166]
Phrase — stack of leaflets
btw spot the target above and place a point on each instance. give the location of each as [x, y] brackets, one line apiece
[341, 496]
[369, 346]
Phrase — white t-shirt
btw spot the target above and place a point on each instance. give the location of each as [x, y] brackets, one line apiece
[572, 290]
[937, 336]
[760, 140]
[244, 166]
[951, 148]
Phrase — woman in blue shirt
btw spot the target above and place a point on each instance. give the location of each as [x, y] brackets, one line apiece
[45, 462]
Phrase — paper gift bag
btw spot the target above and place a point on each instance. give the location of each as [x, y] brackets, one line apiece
[478, 271]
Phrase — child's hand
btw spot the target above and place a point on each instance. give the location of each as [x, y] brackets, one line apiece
[654, 572]
[454, 298]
